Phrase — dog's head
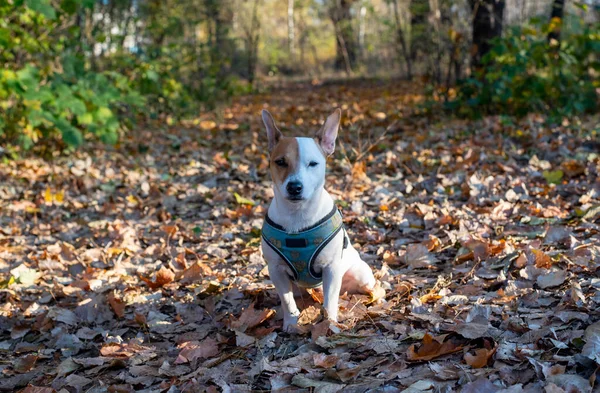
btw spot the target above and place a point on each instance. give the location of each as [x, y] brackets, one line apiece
[297, 165]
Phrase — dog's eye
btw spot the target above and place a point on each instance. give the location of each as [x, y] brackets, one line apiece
[281, 162]
[313, 164]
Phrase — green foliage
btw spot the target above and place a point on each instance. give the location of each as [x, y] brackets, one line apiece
[45, 90]
[66, 77]
[524, 72]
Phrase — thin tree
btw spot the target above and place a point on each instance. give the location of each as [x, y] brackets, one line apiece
[487, 25]
[341, 16]
[556, 15]
[291, 30]
[400, 37]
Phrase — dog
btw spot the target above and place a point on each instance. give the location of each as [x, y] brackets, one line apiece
[303, 238]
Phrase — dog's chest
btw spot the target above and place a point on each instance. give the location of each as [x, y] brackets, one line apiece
[303, 254]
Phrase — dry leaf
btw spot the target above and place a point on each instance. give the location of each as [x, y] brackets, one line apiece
[431, 348]
[191, 351]
[117, 305]
[25, 364]
[163, 277]
[325, 361]
[250, 318]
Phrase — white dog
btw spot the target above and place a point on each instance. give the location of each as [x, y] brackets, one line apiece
[303, 238]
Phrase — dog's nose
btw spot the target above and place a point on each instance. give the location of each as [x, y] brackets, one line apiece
[294, 188]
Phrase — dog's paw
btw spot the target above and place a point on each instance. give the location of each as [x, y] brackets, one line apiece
[290, 324]
[296, 329]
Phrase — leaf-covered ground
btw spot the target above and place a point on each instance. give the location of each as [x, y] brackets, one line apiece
[137, 268]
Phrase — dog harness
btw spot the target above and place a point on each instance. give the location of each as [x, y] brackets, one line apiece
[300, 250]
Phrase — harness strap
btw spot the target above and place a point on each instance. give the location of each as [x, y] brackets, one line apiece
[300, 250]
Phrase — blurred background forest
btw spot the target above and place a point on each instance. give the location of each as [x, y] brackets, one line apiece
[77, 69]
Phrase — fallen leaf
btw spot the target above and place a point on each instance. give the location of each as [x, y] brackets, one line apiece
[552, 279]
[431, 348]
[482, 356]
[37, 389]
[25, 364]
[117, 305]
[191, 351]
[591, 349]
[250, 318]
[542, 260]
[418, 256]
[195, 273]
[553, 177]
[325, 361]
[124, 350]
[243, 201]
[163, 277]
[319, 386]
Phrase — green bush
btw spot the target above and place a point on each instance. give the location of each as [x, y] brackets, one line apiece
[54, 86]
[46, 92]
[524, 72]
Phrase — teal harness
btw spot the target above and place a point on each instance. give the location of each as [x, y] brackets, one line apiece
[300, 250]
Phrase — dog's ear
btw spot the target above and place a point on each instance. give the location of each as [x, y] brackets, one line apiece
[273, 132]
[328, 133]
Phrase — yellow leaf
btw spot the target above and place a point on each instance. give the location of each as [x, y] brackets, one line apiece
[6, 283]
[243, 201]
[132, 200]
[207, 125]
[59, 197]
[48, 196]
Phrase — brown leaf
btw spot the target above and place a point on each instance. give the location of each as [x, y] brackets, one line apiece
[170, 230]
[37, 389]
[480, 358]
[542, 260]
[320, 329]
[309, 315]
[432, 348]
[418, 256]
[325, 361]
[121, 389]
[195, 273]
[190, 351]
[25, 363]
[377, 293]
[124, 350]
[163, 277]
[481, 250]
[117, 305]
[250, 318]
[316, 294]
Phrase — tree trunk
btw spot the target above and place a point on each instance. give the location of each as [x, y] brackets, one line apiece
[291, 30]
[340, 15]
[487, 25]
[402, 41]
[361, 31]
[252, 38]
[419, 28]
[558, 10]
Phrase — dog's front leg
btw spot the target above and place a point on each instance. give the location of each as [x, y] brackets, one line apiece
[283, 285]
[332, 283]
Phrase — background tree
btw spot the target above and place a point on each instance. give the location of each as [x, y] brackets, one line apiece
[487, 25]
[556, 16]
[341, 15]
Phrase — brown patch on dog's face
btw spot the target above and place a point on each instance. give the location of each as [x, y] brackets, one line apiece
[284, 159]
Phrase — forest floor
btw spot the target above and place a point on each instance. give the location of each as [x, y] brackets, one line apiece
[138, 268]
